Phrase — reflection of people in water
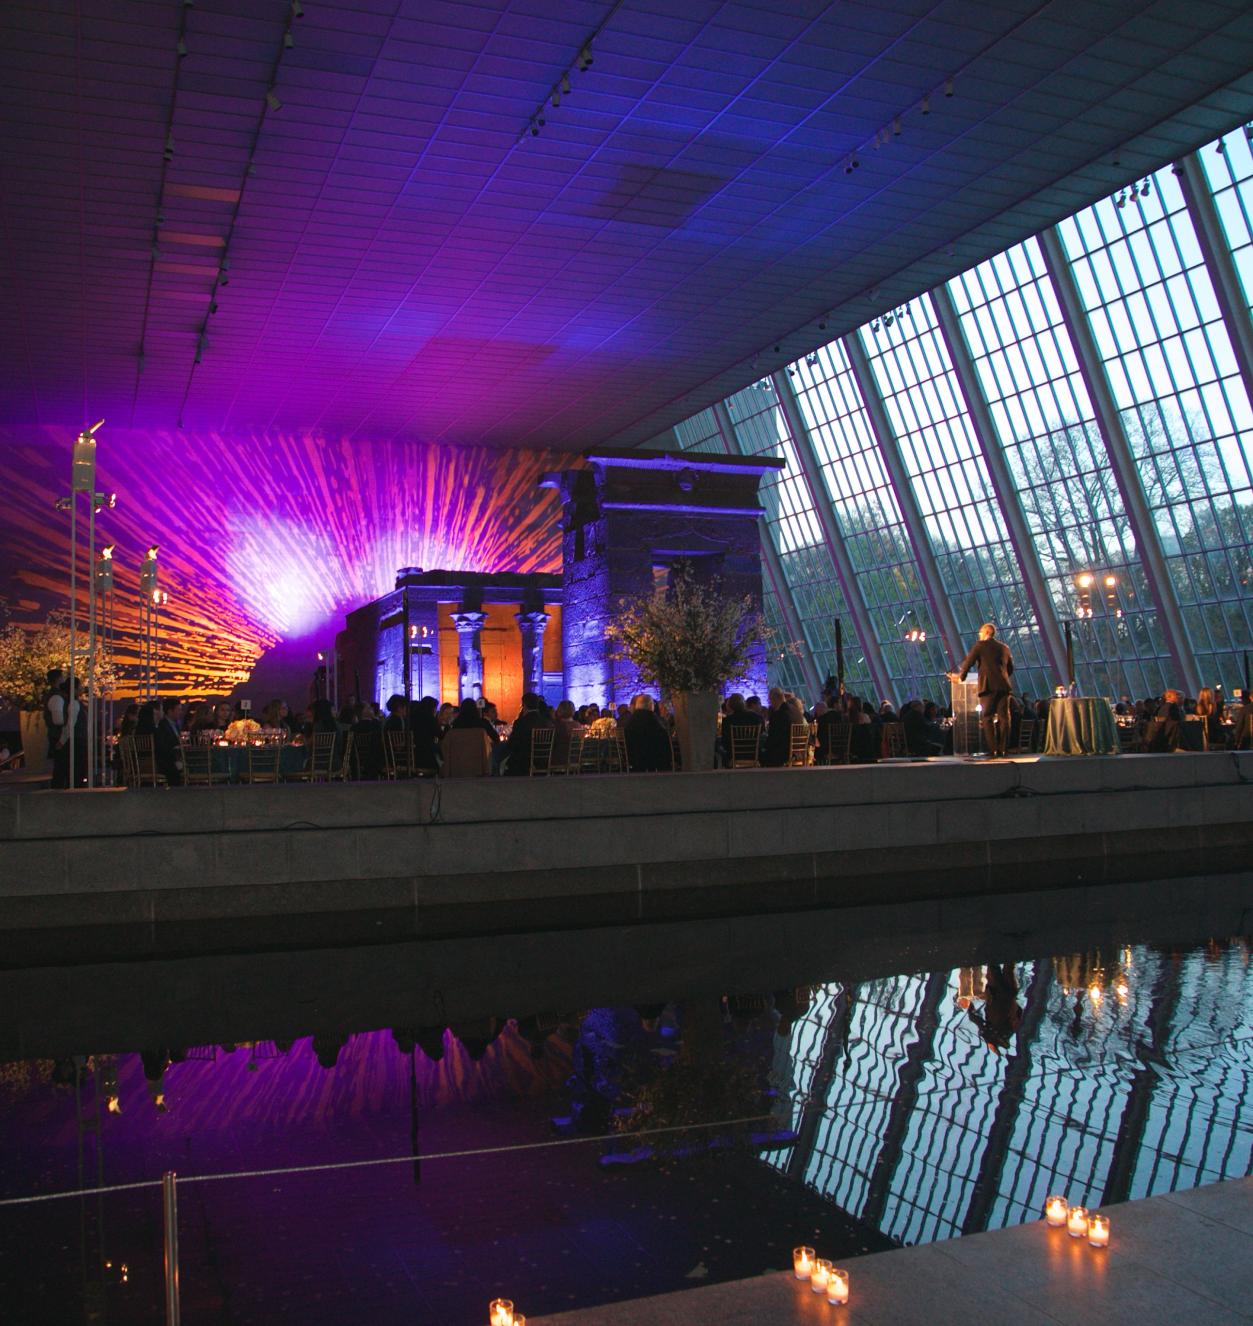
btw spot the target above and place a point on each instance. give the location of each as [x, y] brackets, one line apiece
[997, 988]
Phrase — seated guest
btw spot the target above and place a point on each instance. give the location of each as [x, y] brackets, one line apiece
[446, 713]
[1210, 712]
[275, 715]
[518, 747]
[778, 730]
[739, 719]
[568, 726]
[827, 725]
[167, 742]
[397, 714]
[923, 736]
[1242, 729]
[367, 741]
[126, 724]
[223, 714]
[647, 738]
[470, 716]
[424, 725]
[324, 724]
[1164, 728]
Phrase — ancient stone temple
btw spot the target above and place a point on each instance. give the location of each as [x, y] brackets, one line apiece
[628, 516]
[454, 634]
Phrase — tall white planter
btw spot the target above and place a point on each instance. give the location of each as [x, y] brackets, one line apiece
[696, 721]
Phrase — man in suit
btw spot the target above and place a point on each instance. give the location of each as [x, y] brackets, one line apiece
[167, 745]
[647, 738]
[995, 665]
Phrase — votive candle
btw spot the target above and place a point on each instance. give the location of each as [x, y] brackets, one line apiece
[1056, 1209]
[837, 1286]
[1098, 1231]
[820, 1276]
[500, 1312]
[803, 1262]
[1077, 1222]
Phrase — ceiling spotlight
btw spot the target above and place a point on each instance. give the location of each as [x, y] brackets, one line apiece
[181, 48]
[856, 163]
[534, 129]
[63, 503]
[272, 101]
[585, 57]
[778, 349]
[297, 9]
[156, 251]
[540, 120]
[169, 145]
[1145, 188]
[1220, 147]
[926, 105]
[811, 361]
[556, 98]
[822, 326]
[565, 84]
[1121, 200]
[288, 40]
[896, 126]
[948, 87]
[848, 167]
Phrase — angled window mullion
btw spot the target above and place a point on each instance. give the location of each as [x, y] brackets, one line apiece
[832, 532]
[1002, 485]
[783, 594]
[1219, 264]
[1122, 460]
[911, 516]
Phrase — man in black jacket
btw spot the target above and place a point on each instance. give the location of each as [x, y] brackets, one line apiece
[996, 665]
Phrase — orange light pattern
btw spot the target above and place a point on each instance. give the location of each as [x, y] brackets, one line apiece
[264, 537]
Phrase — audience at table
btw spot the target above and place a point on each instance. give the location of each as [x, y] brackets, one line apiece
[841, 727]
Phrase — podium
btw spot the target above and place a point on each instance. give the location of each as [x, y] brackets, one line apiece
[967, 711]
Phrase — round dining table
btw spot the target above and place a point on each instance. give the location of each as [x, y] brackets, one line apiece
[1081, 725]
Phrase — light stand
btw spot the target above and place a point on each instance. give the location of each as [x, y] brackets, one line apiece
[148, 592]
[102, 587]
[82, 480]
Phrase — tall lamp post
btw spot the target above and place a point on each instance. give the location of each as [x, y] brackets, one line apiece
[83, 480]
[1085, 584]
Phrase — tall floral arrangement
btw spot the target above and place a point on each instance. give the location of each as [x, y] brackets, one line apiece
[691, 637]
[28, 654]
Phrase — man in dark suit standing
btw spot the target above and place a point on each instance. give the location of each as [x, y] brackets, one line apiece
[995, 665]
[518, 747]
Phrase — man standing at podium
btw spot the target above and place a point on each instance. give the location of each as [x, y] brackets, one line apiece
[995, 665]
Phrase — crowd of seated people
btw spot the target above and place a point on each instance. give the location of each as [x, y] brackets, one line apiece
[471, 739]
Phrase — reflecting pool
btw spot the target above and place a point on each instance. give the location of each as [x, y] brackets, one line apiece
[570, 1156]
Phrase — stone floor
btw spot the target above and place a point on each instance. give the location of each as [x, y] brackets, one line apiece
[1183, 1257]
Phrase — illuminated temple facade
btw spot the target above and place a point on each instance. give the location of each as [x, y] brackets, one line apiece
[628, 517]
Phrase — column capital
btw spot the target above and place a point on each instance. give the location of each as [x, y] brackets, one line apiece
[468, 622]
[537, 620]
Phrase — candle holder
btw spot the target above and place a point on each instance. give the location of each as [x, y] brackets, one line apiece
[1077, 1222]
[1056, 1209]
[837, 1286]
[802, 1263]
[821, 1276]
[500, 1312]
[1098, 1231]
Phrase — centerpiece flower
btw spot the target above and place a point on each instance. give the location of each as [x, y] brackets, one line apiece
[690, 639]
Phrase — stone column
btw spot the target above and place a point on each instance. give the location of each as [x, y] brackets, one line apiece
[469, 652]
[532, 625]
